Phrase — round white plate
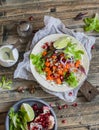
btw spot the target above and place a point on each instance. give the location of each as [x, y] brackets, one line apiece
[42, 79]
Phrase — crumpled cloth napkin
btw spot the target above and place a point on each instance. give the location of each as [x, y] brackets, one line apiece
[53, 26]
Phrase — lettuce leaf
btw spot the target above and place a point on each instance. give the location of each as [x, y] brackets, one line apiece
[5, 84]
[92, 24]
[38, 61]
[72, 51]
[72, 80]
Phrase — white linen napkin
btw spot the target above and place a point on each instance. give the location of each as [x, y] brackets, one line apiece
[53, 26]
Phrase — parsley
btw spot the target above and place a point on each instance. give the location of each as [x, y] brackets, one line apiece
[92, 24]
[4, 83]
[17, 120]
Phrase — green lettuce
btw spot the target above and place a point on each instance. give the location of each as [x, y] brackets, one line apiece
[72, 80]
[71, 51]
[5, 84]
[92, 24]
[38, 61]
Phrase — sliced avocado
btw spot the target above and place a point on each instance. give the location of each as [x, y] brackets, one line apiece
[61, 42]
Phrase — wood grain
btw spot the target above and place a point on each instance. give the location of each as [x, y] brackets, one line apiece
[86, 115]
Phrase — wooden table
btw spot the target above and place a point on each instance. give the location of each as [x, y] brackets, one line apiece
[85, 116]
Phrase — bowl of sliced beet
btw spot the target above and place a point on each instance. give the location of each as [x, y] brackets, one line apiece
[31, 114]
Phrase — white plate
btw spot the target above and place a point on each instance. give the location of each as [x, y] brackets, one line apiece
[42, 79]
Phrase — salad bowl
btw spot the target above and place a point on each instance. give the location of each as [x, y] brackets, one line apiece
[31, 101]
[41, 77]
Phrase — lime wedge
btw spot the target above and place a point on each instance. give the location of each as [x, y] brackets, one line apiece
[61, 42]
[29, 111]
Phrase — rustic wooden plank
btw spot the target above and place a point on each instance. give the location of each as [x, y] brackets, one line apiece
[94, 69]
[76, 128]
[13, 34]
[57, 3]
[81, 109]
[4, 107]
[13, 2]
[24, 45]
[13, 96]
[2, 115]
[21, 8]
[16, 96]
[70, 23]
[44, 1]
[93, 78]
[10, 2]
[58, 9]
[2, 127]
[94, 127]
[83, 117]
[1, 29]
[84, 120]
[39, 18]
[73, 121]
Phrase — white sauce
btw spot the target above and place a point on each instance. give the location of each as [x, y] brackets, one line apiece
[6, 54]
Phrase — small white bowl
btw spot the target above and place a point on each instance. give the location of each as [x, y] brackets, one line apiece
[5, 59]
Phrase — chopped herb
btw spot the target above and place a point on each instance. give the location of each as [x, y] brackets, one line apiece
[92, 24]
[5, 84]
[17, 120]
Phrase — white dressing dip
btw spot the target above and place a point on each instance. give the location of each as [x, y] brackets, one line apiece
[8, 56]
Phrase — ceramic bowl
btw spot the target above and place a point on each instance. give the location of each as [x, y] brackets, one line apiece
[8, 60]
[30, 101]
[41, 78]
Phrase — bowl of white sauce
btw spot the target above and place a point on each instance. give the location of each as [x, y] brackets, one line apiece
[8, 55]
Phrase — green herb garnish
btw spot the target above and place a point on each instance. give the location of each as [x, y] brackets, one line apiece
[17, 120]
[92, 24]
[5, 84]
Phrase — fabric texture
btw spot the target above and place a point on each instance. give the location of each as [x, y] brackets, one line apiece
[53, 26]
